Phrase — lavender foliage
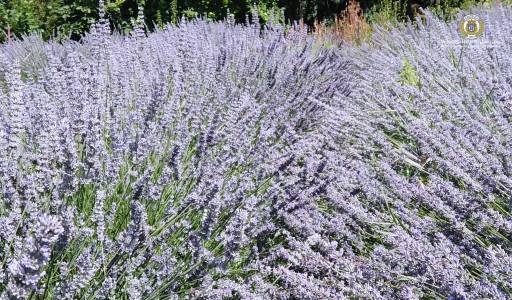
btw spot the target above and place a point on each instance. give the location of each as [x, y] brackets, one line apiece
[211, 160]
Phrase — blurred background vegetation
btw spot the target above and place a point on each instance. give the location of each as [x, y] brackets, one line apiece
[71, 18]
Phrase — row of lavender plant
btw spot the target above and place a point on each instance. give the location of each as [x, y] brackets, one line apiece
[139, 166]
[429, 129]
[404, 189]
[212, 160]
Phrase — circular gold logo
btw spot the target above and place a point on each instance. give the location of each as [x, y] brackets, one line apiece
[471, 26]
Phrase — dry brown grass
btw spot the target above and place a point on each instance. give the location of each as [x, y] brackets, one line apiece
[350, 26]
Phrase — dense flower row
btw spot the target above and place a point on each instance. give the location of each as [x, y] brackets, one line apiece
[431, 120]
[213, 160]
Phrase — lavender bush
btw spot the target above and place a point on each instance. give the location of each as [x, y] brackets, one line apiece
[217, 161]
[428, 132]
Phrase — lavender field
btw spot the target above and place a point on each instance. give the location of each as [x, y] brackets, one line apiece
[212, 160]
